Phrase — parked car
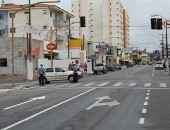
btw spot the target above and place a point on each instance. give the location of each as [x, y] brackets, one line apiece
[99, 68]
[129, 64]
[57, 73]
[110, 67]
[117, 66]
[159, 65]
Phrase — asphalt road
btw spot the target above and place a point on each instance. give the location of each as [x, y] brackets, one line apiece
[134, 98]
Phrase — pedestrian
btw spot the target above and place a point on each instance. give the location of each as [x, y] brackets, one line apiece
[70, 66]
[75, 73]
[85, 67]
[41, 73]
[81, 67]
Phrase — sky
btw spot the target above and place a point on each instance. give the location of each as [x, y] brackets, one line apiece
[140, 11]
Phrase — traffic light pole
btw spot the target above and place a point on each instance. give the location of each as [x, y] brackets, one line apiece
[167, 47]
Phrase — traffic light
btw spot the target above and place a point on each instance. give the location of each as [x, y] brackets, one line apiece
[82, 21]
[153, 23]
[159, 24]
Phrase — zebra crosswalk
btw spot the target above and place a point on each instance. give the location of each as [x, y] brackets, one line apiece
[94, 84]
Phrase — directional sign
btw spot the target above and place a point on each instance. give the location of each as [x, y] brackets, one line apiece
[167, 24]
[32, 99]
[98, 103]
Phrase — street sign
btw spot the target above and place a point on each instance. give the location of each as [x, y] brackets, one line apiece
[167, 24]
[32, 30]
[51, 46]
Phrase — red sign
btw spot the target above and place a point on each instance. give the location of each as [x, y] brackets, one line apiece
[167, 24]
[51, 46]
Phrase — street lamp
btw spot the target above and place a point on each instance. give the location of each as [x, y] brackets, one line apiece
[13, 16]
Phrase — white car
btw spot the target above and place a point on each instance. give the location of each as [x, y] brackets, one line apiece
[57, 73]
[159, 65]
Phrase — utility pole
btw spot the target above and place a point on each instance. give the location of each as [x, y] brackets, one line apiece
[69, 41]
[29, 41]
[162, 47]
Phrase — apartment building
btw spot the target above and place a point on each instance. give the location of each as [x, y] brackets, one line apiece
[104, 22]
[44, 18]
[125, 29]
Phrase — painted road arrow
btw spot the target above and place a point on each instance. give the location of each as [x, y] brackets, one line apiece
[98, 103]
[32, 99]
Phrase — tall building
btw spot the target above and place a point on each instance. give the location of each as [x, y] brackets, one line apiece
[104, 21]
[125, 29]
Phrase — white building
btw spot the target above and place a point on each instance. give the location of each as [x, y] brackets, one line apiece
[104, 21]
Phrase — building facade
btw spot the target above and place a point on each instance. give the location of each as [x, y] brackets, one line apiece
[104, 22]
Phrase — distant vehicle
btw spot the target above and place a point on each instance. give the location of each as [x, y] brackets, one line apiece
[159, 65]
[150, 63]
[57, 73]
[110, 67]
[99, 68]
[129, 64]
[117, 66]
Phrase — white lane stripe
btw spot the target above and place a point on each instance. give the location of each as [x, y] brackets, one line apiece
[89, 84]
[53, 86]
[117, 84]
[103, 84]
[147, 94]
[147, 85]
[163, 85]
[144, 110]
[5, 90]
[141, 121]
[148, 90]
[147, 98]
[74, 85]
[43, 111]
[132, 84]
[145, 103]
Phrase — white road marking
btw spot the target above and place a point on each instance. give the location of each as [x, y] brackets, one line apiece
[147, 98]
[32, 99]
[89, 84]
[147, 85]
[163, 85]
[147, 94]
[53, 86]
[141, 121]
[144, 110]
[117, 84]
[126, 74]
[145, 103]
[132, 84]
[43, 111]
[74, 85]
[148, 90]
[103, 84]
[5, 90]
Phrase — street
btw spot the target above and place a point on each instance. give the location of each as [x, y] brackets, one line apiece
[135, 98]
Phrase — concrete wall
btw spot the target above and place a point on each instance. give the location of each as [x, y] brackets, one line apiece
[20, 54]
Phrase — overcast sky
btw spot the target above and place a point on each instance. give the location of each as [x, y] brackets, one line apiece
[140, 12]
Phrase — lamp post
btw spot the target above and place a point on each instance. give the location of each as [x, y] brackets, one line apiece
[13, 16]
[166, 38]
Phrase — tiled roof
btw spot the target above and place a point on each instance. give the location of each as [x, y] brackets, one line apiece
[13, 6]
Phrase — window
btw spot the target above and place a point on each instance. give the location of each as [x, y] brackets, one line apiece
[1, 16]
[11, 30]
[3, 62]
[51, 14]
[49, 70]
[0, 33]
[10, 15]
[44, 11]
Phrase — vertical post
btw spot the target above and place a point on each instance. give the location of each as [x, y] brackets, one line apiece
[30, 49]
[69, 41]
[13, 79]
[83, 41]
[51, 51]
[167, 47]
[162, 47]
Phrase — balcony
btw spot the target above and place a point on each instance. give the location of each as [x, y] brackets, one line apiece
[58, 23]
